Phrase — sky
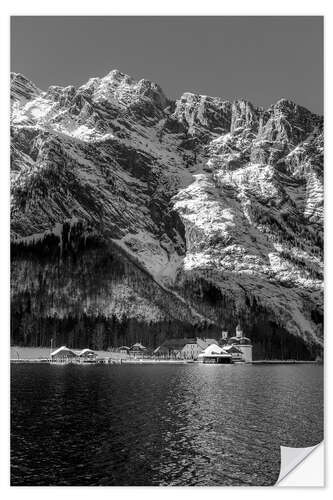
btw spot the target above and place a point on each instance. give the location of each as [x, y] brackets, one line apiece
[261, 59]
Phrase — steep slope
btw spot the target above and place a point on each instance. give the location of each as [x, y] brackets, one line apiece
[135, 217]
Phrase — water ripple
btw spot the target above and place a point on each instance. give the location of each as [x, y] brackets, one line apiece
[160, 425]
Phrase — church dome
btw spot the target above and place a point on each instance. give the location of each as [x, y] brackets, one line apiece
[234, 340]
[244, 340]
[239, 340]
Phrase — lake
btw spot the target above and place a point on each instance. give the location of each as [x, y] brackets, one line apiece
[161, 424]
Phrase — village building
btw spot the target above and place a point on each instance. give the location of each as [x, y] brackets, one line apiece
[211, 341]
[63, 355]
[236, 353]
[242, 343]
[224, 338]
[202, 343]
[138, 349]
[124, 349]
[214, 354]
[180, 348]
[87, 355]
[183, 348]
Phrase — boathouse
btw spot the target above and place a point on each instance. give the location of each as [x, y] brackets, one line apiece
[63, 355]
[214, 354]
[87, 355]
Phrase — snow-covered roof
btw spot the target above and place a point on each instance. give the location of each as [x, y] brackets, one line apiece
[202, 343]
[138, 346]
[239, 340]
[232, 348]
[85, 351]
[213, 349]
[211, 341]
[178, 343]
[63, 349]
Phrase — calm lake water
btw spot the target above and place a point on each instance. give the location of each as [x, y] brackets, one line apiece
[160, 425]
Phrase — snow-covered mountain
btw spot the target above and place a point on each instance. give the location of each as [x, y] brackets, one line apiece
[135, 217]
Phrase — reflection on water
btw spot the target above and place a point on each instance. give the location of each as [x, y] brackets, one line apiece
[160, 425]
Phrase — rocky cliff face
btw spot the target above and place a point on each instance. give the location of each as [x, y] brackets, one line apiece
[136, 218]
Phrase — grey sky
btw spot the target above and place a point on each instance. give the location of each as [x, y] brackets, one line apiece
[258, 58]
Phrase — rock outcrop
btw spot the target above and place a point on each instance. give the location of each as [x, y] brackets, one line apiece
[135, 217]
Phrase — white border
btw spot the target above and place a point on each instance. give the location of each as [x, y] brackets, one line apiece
[172, 7]
[141, 7]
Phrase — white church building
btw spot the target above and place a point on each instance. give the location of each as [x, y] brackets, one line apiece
[240, 342]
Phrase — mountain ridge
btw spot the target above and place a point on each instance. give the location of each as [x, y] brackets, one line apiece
[20, 76]
[201, 192]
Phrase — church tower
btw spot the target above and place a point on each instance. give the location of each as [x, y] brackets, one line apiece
[239, 331]
[244, 344]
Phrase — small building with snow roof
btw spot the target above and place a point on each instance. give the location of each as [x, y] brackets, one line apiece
[87, 355]
[236, 353]
[63, 355]
[214, 354]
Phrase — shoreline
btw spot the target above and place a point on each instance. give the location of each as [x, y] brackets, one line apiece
[122, 361]
[19, 355]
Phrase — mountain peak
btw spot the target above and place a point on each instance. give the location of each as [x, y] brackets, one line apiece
[118, 76]
[289, 107]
